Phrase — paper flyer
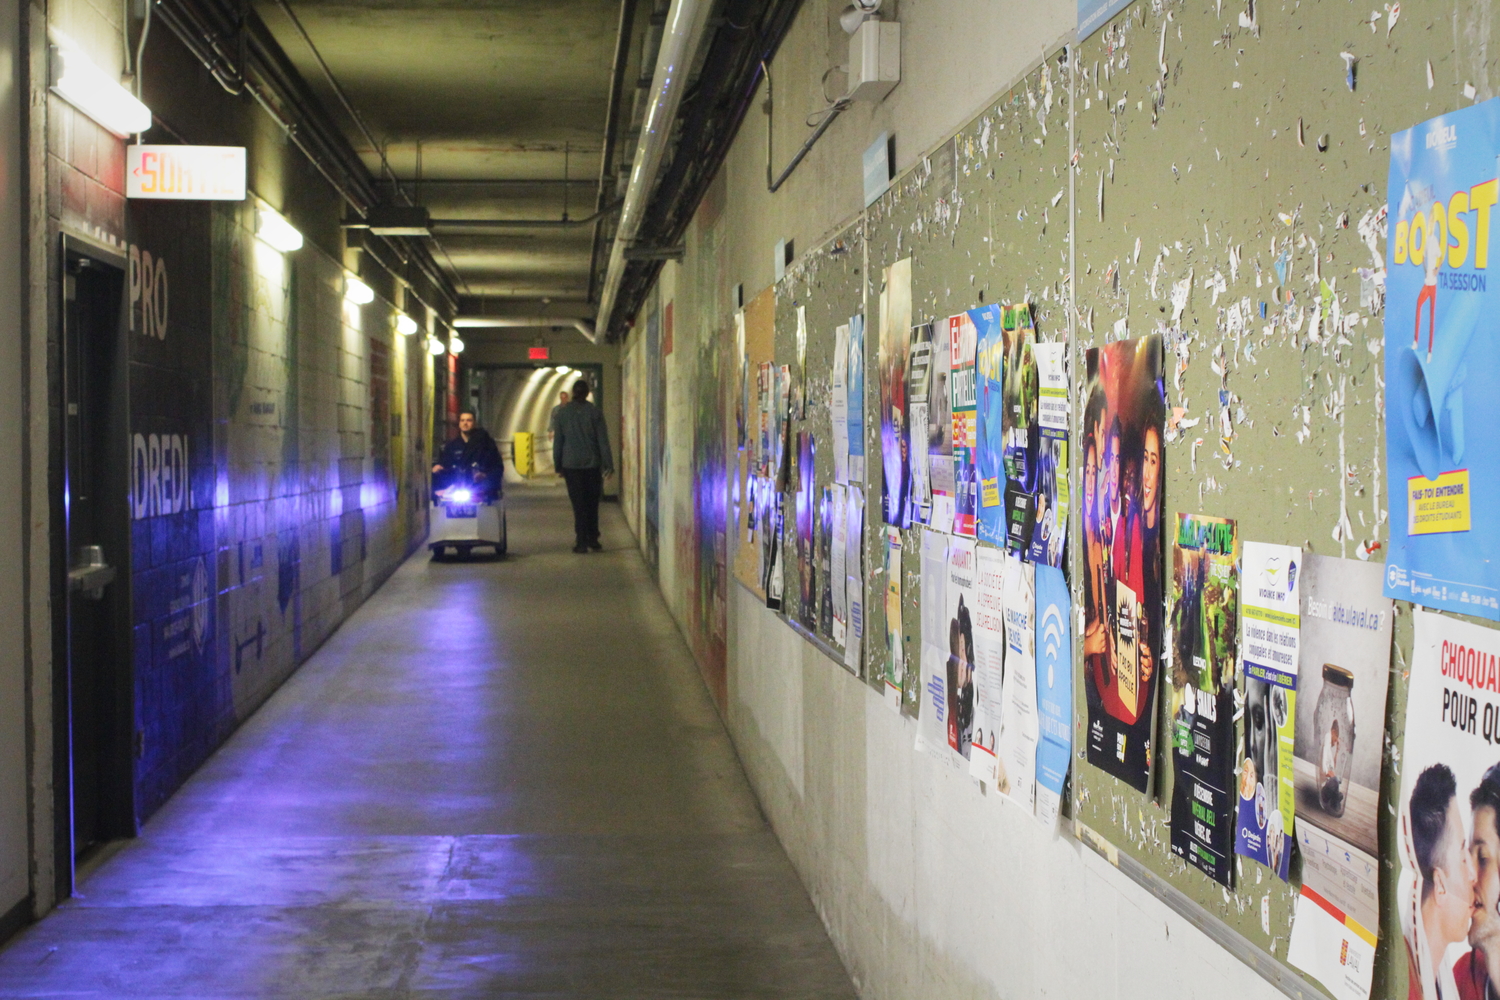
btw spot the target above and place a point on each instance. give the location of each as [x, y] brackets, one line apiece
[741, 398]
[825, 563]
[1018, 722]
[807, 571]
[1054, 687]
[1270, 630]
[1334, 950]
[939, 445]
[855, 380]
[895, 653]
[854, 588]
[1205, 657]
[918, 384]
[1020, 426]
[933, 712]
[989, 440]
[1447, 816]
[840, 405]
[963, 341]
[837, 570]
[799, 385]
[1346, 654]
[1442, 360]
[895, 328]
[775, 579]
[958, 643]
[1122, 641]
[989, 661]
[1050, 483]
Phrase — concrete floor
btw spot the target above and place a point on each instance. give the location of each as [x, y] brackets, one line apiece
[497, 780]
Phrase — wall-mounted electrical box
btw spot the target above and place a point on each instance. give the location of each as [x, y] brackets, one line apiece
[874, 60]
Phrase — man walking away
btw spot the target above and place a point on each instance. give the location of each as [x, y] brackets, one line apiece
[580, 453]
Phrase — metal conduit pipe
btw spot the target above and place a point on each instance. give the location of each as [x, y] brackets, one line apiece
[583, 326]
[611, 127]
[681, 36]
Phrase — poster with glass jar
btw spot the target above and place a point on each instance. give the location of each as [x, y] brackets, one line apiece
[1340, 719]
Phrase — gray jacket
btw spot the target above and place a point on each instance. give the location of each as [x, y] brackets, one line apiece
[579, 438]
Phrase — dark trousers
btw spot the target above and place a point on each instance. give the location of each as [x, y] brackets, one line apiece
[585, 487]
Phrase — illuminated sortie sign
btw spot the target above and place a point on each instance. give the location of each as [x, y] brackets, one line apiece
[185, 173]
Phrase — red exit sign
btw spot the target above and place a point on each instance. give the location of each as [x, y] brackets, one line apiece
[539, 353]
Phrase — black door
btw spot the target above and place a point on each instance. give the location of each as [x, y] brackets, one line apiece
[94, 716]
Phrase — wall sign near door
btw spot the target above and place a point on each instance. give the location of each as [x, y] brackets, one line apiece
[185, 173]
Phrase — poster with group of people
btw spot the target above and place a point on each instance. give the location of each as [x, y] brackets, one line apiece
[1122, 555]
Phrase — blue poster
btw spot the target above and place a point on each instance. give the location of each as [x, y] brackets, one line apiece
[856, 384]
[1440, 366]
[1054, 690]
[989, 438]
[1093, 13]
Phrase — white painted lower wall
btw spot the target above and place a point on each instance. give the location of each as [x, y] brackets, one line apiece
[930, 888]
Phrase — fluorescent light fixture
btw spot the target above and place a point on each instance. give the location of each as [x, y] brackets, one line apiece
[91, 90]
[435, 347]
[275, 231]
[357, 291]
[455, 345]
[405, 325]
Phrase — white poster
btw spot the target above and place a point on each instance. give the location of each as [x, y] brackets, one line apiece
[1448, 894]
[932, 715]
[1018, 722]
[958, 623]
[989, 662]
[840, 406]
[836, 569]
[1344, 648]
[854, 590]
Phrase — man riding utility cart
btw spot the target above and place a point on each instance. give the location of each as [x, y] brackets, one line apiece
[468, 508]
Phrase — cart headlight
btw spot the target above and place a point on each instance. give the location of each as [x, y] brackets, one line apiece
[461, 496]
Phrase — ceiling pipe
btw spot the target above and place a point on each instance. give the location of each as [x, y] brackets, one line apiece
[611, 127]
[583, 326]
[524, 223]
[686, 23]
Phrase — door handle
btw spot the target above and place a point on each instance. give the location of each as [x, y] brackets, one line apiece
[90, 574]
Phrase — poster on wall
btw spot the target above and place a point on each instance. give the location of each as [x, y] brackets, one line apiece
[989, 662]
[895, 327]
[1345, 647]
[989, 439]
[742, 413]
[958, 623]
[1050, 482]
[1449, 907]
[840, 405]
[856, 408]
[1020, 427]
[939, 440]
[837, 569]
[1122, 424]
[854, 589]
[1205, 654]
[934, 712]
[1054, 687]
[895, 651]
[799, 383]
[807, 573]
[775, 579]
[1442, 358]
[1018, 722]
[963, 341]
[825, 563]
[1270, 630]
[918, 385]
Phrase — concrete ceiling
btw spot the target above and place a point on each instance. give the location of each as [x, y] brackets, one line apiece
[482, 90]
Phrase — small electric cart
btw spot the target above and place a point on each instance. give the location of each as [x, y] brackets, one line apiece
[465, 518]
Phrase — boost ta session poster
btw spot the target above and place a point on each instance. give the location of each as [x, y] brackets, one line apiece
[1441, 364]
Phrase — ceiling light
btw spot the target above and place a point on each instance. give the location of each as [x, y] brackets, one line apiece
[91, 90]
[455, 346]
[435, 347]
[405, 325]
[275, 231]
[357, 291]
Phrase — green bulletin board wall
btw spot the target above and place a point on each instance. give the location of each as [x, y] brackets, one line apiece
[1198, 132]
